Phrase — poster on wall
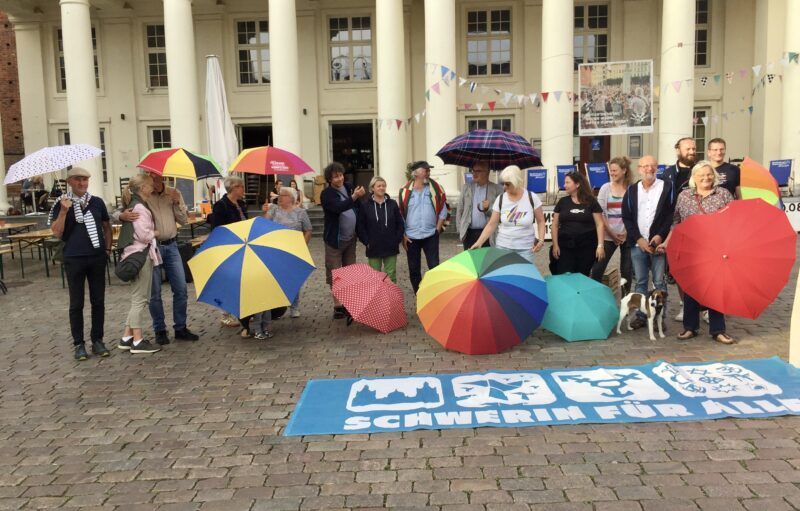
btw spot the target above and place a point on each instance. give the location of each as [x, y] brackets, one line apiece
[616, 98]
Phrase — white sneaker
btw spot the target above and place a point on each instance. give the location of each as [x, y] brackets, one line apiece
[294, 314]
[704, 315]
[679, 316]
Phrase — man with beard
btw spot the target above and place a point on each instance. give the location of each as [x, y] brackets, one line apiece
[728, 174]
[678, 174]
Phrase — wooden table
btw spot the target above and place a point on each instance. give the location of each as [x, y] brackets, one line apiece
[198, 222]
[17, 227]
[31, 239]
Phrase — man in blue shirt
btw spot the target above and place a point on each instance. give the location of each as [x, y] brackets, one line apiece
[423, 206]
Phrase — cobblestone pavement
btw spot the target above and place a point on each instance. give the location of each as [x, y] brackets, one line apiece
[198, 426]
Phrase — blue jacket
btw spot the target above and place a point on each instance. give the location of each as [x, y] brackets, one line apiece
[333, 206]
[380, 227]
[662, 223]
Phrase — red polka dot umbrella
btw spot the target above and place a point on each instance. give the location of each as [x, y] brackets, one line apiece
[370, 297]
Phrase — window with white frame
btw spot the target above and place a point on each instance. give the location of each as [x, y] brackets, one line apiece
[590, 36]
[699, 133]
[350, 48]
[156, 56]
[494, 123]
[64, 138]
[160, 137]
[701, 33]
[489, 42]
[61, 82]
[252, 48]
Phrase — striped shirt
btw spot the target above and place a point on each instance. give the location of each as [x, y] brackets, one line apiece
[612, 210]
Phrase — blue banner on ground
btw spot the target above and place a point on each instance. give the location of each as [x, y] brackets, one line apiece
[655, 392]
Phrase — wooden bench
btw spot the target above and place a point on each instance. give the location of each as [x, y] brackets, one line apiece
[5, 249]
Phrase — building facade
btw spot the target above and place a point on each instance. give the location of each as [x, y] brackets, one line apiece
[378, 83]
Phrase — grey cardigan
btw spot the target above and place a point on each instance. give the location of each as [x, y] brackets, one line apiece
[465, 206]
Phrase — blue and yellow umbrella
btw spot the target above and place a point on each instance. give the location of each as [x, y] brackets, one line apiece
[251, 266]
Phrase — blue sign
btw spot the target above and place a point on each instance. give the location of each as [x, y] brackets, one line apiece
[654, 392]
[596, 144]
[561, 173]
[660, 171]
[781, 170]
[598, 174]
[467, 178]
[537, 180]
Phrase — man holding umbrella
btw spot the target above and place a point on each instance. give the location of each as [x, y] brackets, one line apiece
[168, 209]
[423, 205]
[475, 206]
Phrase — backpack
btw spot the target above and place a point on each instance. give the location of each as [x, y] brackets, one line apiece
[530, 198]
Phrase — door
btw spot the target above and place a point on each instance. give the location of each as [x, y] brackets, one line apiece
[255, 186]
[352, 145]
[594, 149]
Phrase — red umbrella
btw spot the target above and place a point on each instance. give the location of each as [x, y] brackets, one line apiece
[736, 260]
[370, 297]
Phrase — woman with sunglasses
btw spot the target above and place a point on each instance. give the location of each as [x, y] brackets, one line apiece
[517, 215]
[578, 229]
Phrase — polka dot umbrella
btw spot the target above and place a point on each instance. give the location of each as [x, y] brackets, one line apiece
[50, 159]
[370, 297]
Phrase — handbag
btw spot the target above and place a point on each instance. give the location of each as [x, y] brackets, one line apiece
[129, 268]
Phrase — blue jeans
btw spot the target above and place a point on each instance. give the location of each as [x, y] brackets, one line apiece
[643, 265]
[173, 265]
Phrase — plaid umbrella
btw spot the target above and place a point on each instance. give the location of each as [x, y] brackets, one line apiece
[499, 148]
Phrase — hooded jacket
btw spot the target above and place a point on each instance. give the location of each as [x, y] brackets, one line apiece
[380, 227]
[662, 222]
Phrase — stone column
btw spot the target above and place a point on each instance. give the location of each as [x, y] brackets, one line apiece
[557, 75]
[392, 81]
[284, 77]
[441, 119]
[76, 28]
[677, 64]
[789, 142]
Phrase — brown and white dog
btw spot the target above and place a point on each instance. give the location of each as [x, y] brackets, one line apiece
[652, 307]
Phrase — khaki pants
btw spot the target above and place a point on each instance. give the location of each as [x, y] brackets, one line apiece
[140, 295]
[335, 258]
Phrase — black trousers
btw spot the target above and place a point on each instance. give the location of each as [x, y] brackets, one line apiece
[472, 236]
[578, 258]
[430, 246]
[79, 270]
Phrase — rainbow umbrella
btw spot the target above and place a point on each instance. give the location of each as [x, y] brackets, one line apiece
[482, 301]
[251, 266]
[757, 183]
[179, 163]
[269, 160]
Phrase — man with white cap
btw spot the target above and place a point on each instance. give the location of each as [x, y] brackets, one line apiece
[81, 221]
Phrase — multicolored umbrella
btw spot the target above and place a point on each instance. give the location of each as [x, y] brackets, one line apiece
[581, 309]
[269, 160]
[736, 260]
[251, 266]
[482, 301]
[50, 159]
[370, 297]
[499, 148]
[179, 163]
[757, 183]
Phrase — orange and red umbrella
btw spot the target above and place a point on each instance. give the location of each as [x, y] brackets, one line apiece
[736, 260]
[269, 160]
[370, 297]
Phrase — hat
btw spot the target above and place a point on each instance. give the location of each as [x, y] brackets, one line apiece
[420, 164]
[78, 172]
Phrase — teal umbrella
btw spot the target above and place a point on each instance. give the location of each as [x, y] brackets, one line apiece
[580, 309]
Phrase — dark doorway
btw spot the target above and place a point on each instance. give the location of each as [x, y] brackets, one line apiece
[256, 186]
[352, 146]
[594, 149]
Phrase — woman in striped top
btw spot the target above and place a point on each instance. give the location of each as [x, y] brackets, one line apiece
[610, 199]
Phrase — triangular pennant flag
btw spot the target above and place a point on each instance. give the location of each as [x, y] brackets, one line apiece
[479, 106]
[729, 77]
[757, 70]
[533, 98]
[445, 71]
[428, 95]
[497, 91]
[544, 96]
[703, 80]
[770, 77]
[725, 117]
[452, 75]
[416, 118]
[472, 86]
[557, 94]
[793, 56]
[694, 120]
[506, 98]
[467, 106]
[521, 99]
[677, 85]
[461, 81]
[399, 123]
[717, 78]
[785, 60]
[704, 119]
[491, 105]
[435, 88]
[750, 109]
[424, 112]
[446, 81]
[743, 72]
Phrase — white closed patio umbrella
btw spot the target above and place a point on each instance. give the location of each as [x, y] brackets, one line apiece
[221, 140]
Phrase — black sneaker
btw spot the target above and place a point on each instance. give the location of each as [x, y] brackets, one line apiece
[339, 312]
[125, 345]
[162, 338]
[99, 349]
[144, 347]
[185, 335]
[80, 352]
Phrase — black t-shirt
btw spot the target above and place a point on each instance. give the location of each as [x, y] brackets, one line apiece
[729, 177]
[576, 220]
[76, 238]
[682, 179]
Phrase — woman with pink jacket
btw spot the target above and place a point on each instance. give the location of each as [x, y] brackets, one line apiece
[137, 236]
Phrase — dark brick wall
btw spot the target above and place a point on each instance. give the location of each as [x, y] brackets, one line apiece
[9, 94]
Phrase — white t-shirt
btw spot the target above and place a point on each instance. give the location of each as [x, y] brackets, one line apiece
[517, 229]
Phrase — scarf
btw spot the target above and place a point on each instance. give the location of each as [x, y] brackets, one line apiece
[87, 219]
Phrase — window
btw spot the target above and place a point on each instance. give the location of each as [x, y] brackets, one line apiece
[350, 42]
[160, 138]
[252, 45]
[62, 73]
[156, 56]
[591, 34]
[495, 123]
[699, 133]
[63, 136]
[701, 33]
[489, 42]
